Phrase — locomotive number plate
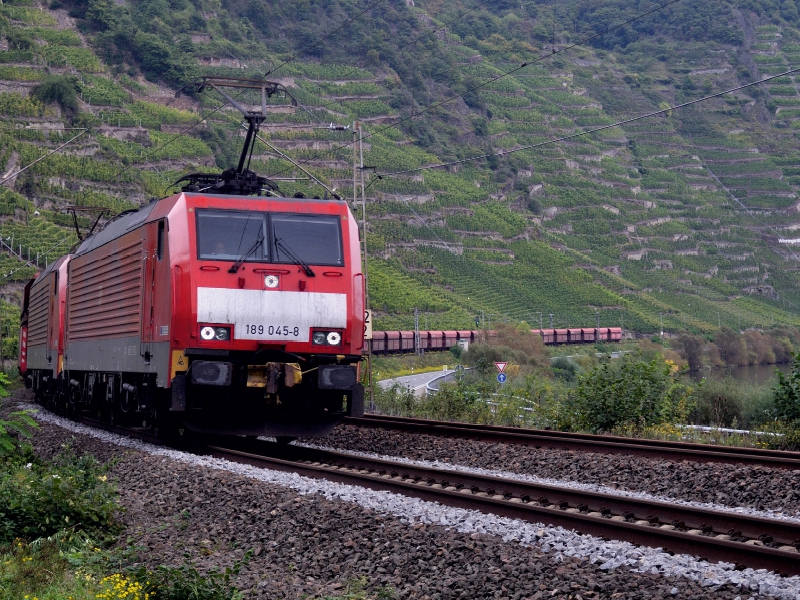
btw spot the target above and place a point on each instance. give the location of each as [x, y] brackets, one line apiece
[272, 330]
[271, 314]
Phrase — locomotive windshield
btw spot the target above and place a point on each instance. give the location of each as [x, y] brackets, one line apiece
[228, 235]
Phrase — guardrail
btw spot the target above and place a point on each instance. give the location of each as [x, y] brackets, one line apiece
[432, 390]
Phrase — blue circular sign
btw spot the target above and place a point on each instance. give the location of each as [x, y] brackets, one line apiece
[501, 378]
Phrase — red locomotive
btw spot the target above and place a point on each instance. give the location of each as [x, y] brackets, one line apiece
[213, 310]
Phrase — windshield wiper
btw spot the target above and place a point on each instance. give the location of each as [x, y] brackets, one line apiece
[259, 240]
[281, 245]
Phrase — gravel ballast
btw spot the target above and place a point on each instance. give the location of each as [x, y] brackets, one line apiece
[760, 488]
[311, 537]
[587, 487]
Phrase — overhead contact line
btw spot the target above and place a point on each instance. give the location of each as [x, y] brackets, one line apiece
[590, 131]
[505, 74]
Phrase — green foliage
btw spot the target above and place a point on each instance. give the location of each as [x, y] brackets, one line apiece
[787, 394]
[16, 105]
[565, 369]
[730, 403]
[39, 500]
[629, 393]
[186, 582]
[14, 73]
[59, 89]
[82, 59]
[19, 422]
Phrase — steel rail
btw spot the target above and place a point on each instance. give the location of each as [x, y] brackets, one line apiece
[607, 444]
[744, 540]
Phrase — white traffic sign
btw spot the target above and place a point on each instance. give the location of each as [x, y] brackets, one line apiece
[501, 366]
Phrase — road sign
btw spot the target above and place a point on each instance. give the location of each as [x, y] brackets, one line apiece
[501, 366]
[501, 378]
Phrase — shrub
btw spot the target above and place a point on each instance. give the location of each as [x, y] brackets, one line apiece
[730, 403]
[565, 369]
[787, 394]
[59, 89]
[20, 422]
[39, 500]
[630, 393]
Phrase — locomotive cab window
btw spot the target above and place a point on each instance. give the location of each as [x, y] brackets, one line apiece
[269, 237]
[227, 235]
[315, 239]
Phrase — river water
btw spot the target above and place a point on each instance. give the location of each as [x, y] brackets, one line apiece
[762, 375]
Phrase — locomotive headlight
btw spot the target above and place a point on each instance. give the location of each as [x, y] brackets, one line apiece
[209, 333]
[271, 281]
[326, 338]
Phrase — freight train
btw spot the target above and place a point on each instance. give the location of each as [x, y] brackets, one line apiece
[225, 308]
[393, 342]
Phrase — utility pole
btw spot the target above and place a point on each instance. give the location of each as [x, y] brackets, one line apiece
[551, 320]
[417, 345]
[661, 318]
[597, 319]
[719, 321]
[358, 178]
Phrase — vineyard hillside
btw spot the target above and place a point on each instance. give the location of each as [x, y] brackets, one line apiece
[678, 221]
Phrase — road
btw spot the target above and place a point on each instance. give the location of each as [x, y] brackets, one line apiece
[416, 382]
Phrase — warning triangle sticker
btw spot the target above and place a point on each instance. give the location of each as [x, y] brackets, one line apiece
[501, 366]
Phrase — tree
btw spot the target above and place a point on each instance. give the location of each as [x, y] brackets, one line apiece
[787, 394]
[690, 347]
[732, 347]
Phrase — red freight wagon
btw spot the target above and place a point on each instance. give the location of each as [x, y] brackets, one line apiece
[450, 338]
[588, 334]
[603, 334]
[466, 335]
[435, 340]
[616, 334]
[407, 341]
[549, 336]
[537, 332]
[574, 336]
[393, 341]
[378, 342]
[562, 336]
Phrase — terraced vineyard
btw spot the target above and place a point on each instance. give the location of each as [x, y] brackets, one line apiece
[670, 221]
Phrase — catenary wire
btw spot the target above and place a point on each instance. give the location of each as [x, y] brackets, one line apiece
[41, 158]
[591, 131]
[497, 78]
[602, 128]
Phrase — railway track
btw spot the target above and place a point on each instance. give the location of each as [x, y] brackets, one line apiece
[608, 444]
[743, 540]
